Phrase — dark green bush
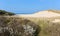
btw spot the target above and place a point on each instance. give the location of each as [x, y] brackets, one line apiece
[3, 12]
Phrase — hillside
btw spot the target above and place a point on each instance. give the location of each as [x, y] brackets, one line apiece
[48, 20]
[42, 23]
[45, 14]
[11, 25]
[6, 13]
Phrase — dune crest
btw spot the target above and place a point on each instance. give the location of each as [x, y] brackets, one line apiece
[47, 14]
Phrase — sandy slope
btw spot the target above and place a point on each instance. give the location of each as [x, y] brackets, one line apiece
[45, 14]
[48, 14]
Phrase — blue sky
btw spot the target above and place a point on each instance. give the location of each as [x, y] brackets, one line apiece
[29, 6]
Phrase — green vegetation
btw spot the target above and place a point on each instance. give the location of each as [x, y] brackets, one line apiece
[3, 12]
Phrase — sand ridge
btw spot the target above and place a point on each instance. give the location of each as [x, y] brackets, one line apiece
[41, 14]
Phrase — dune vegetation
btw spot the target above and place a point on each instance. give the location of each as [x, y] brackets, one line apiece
[48, 27]
[16, 26]
[21, 26]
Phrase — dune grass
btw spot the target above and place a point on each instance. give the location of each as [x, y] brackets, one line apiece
[48, 28]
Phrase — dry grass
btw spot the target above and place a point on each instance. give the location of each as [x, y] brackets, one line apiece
[16, 26]
[47, 27]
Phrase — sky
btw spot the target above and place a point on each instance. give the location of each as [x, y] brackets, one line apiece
[28, 6]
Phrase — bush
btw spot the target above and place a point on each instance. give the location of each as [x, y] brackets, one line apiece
[3, 12]
[15, 26]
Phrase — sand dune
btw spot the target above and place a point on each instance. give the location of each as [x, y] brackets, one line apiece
[48, 14]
